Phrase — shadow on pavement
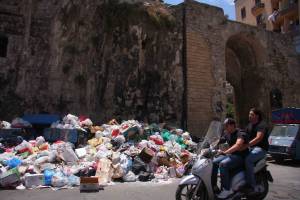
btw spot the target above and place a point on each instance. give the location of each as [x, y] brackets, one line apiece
[287, 162]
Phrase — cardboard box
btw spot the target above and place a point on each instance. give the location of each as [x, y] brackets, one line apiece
[89, 184]
[32, 180]
[146, 155]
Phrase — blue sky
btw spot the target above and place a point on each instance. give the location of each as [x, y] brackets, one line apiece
[227, 5]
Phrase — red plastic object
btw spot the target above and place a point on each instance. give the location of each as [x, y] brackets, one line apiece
[82, 118]
[115, 133]
[156, 140]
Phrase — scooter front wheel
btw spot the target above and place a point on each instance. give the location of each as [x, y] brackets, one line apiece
[187, 192]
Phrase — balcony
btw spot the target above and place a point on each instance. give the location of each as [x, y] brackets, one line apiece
[290, 11]
[258, 9]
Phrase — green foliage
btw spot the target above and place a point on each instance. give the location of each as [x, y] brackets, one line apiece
[230, 110]
[162, 20]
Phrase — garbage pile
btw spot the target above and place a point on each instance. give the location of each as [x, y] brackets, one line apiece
[16, 123]
[127, 152]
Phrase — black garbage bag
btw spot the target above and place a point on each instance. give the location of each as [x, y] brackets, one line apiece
[146, 176]
[138, 166]
[86, 172]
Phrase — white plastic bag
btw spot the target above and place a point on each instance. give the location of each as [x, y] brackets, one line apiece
[5, 125]
[41, 160]
[103, 152]
[40, 140]
[19, 122]
[115, 158]
[81, 152]
[118, 171]
[66, 153]
[99, 134]
[59, 180]
[86, 122]
[129, 177]
[24, 146]
[71, 119]
[125, 162]
[73, 180]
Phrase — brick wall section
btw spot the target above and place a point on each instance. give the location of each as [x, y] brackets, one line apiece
[205, 61]
[200, 82]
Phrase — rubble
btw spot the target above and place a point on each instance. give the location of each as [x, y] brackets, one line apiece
[129, 151]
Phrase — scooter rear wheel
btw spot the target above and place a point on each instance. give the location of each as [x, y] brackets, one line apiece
[185, 192]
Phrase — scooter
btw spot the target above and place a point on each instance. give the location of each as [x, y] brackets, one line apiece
[197, 186]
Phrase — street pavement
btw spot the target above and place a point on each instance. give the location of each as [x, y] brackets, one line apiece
[286, 186]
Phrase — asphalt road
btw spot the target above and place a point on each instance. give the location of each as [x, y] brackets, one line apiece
[286, 186]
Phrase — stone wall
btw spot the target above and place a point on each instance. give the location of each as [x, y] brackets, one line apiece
[104, 60]
[143, 60]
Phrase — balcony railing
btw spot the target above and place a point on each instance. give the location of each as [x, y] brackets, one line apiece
[287, 12]
[290, 9]
[257, 9]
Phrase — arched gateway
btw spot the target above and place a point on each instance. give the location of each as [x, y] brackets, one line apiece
[222, 53]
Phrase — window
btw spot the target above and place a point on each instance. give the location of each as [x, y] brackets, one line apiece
[285, 131]
[3, 46]
[259, 19]
[257, 2]
[243, 12]
[293, 1]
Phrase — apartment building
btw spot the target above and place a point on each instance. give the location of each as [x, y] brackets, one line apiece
[274, 15]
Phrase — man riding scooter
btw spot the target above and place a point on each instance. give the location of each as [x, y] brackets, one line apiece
[198, 185]
[230, 159]
[257, 133]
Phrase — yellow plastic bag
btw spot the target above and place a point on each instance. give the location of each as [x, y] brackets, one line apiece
[95, 142]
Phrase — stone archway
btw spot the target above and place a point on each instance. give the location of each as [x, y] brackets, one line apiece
[242, 57]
